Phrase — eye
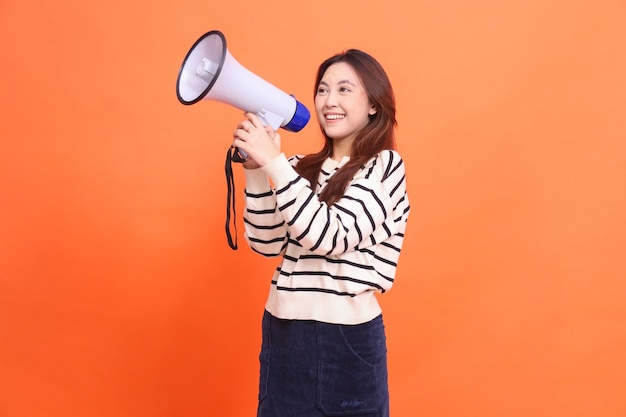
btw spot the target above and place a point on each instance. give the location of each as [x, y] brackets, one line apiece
[322, 90]
[344, 90]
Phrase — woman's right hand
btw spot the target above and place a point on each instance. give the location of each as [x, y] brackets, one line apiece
[260, 143]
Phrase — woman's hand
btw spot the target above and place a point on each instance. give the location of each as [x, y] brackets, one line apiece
[260, 143]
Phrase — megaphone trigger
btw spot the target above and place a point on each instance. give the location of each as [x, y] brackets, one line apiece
[270, 119]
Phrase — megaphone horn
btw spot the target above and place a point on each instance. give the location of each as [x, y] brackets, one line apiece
[210, 72]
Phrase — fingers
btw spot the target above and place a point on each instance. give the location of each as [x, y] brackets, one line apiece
[245, 125]
[261, 143]
[254, 119]
[252, 133]
[249, 124]
[253, 122]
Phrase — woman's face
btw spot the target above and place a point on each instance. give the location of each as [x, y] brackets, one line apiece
[341, 103]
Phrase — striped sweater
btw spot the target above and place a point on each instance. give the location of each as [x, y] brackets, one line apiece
[334, 258]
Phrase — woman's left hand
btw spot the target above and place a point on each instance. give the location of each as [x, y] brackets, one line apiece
[261, 143]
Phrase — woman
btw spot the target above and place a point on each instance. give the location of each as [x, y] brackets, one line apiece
[338, 219]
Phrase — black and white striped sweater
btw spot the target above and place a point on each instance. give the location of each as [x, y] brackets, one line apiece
[334, 258]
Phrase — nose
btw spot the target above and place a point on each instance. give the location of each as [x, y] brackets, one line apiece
[331, 99]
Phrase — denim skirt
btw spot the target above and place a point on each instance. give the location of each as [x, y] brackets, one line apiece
[314, 369]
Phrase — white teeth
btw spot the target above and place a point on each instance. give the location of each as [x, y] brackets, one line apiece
[334, 116]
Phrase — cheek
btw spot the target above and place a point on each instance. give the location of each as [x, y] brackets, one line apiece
[319, 106]
[318, 103]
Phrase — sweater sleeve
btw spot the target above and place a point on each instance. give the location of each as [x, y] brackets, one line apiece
[265, 229]
[369, 212]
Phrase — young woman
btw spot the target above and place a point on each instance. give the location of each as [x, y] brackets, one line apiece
[337, 218]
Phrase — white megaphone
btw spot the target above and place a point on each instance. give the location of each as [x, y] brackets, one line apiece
[210, 72]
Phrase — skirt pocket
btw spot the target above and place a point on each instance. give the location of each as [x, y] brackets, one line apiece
[351, 369]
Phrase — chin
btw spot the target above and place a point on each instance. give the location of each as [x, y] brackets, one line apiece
[333, 135]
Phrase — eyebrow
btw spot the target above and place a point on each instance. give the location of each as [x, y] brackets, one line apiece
[339, 83]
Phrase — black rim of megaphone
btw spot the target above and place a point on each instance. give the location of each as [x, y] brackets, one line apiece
[217, 73]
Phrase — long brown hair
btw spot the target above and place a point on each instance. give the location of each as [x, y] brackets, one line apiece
[377, 135]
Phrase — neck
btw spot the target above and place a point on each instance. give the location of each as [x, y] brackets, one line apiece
[341, 148]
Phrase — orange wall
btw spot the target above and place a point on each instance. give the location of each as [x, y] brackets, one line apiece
[119, 295]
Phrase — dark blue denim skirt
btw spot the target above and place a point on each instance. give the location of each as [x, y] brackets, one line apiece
[314, 369]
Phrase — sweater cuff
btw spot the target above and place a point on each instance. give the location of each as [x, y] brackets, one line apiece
[280, 171]
[256, 181]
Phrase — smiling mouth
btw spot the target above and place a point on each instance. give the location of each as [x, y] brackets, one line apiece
[334, 116]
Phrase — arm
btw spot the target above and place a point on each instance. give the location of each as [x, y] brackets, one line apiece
[265, 229]
[367, 214]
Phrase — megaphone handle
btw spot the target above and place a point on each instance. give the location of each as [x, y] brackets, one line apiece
[239, 155]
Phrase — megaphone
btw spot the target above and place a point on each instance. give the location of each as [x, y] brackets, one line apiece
[210, 72]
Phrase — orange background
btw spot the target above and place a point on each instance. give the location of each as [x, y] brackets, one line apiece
[119, 295]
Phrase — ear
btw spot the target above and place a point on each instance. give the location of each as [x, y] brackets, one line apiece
[372, 110]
